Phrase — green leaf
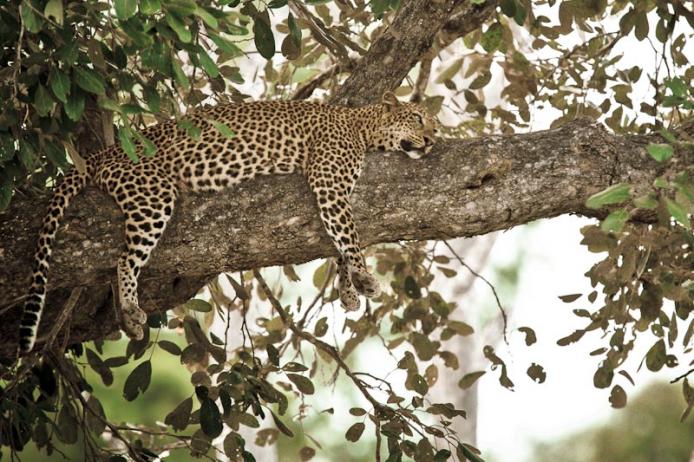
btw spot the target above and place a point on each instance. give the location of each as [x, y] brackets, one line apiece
[125, 9]
[179, 27]
[181, 7]
[615, 221]
[491, 39]
[30, 19]
[208, 64]
[226, 46]
[60, 84]
[43, 101]
[321, 327]
[192, 131]
[355, 431]
[412, 289]
[149, 148]
[460, 327]
[74, 107]
[178, 418]
[463, 450]
[668, 135]
[170, 347]
[67, 426]
[294, 367]
[54, 11]
[419, 384]
[678, 212]
[294, 30]
[196, 304]
[210, 418]
[138, 381]
[281, 426]
[263, 38]
[150, 6]
[206, 17]
[615, 194]
[179, 75]
[660, 152]
[655, 358]
[677, 86]
[469, 379]
[223, 128]
[127, 144]
[303, 384]
[618, 397]
[89, 80]
[56, 154]
[647, 201]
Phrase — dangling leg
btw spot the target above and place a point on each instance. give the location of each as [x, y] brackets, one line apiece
[147, 210]
[336, 214]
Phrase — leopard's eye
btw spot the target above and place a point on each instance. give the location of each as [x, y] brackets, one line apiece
[420, 119]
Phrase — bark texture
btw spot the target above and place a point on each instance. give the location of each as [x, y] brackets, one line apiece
[392, 55]
[463, 188]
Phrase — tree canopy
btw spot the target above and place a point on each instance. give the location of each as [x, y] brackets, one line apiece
[545, 112]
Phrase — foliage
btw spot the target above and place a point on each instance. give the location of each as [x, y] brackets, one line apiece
[645, 277]
[126, 63]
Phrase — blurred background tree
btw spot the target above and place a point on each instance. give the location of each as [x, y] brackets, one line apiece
[646, 430]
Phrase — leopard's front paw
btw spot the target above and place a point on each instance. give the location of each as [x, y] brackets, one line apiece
[366, 284]
[349, 298]
[133, 321]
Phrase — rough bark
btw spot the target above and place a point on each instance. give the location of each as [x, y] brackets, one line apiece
[392, 55]
[464, 188]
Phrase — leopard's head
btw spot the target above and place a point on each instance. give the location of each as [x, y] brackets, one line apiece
[405, 127]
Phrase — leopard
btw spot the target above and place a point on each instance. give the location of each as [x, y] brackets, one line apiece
[326, 143]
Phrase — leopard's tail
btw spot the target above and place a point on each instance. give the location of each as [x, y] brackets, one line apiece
[72, 183]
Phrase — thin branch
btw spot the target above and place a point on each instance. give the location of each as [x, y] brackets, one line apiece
[305, 91]
[319, 344]
[685, 375]
[320, 31]
[491, 286]
[64, 315]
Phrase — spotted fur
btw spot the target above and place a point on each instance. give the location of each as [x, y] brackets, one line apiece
[326, 143]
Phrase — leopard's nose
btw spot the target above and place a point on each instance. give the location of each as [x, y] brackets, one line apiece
[429, 141]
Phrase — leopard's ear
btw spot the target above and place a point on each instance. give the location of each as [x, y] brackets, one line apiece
[390, 100]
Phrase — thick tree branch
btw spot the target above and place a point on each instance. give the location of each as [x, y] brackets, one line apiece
[393, 54]
[464, 188]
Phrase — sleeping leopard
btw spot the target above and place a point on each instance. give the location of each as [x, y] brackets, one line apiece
[326, 143]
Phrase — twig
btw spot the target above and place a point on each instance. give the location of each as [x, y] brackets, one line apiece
[491, 286]
[18, 59]
[677, 379]
[65, 313]
[59, 364]
[320, 31]
[420, 86]
[305, 91]
[321, 345]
